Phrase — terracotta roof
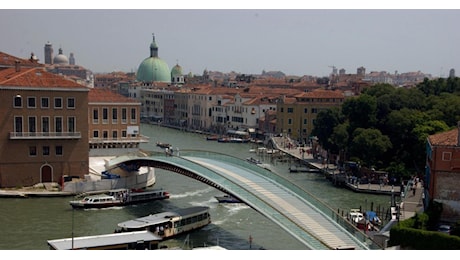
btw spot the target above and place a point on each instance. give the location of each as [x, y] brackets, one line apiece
[34, 77]
[448, 138]
[107, 96]
[7, 60]
[320, 93]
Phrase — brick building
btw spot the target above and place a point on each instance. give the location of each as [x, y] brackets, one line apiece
[44, 123]
[442, 180]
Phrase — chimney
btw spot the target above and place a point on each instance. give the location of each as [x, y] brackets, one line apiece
[17, 66]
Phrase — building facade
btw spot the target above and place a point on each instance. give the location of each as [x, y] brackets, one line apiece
[296, 116]
[442, 172]
[44, 123]
[114, 123]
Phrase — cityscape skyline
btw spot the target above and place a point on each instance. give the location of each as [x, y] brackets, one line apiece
[296, 42]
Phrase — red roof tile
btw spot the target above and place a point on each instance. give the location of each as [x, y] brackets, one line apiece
[34, 77]
[448, 138]
[7, 60]
[107, 96]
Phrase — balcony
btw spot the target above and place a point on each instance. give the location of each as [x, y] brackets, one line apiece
[120, 140]
[44, 135]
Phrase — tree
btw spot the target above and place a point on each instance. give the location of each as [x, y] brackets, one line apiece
[369, 144]
[324, 125]
[361, 111]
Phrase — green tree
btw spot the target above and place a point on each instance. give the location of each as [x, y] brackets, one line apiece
[324, 125]
[361, 111]
[369, 144]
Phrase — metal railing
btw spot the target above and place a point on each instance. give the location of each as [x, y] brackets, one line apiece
[45, 135]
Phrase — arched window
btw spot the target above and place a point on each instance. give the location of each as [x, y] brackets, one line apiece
[17, 101]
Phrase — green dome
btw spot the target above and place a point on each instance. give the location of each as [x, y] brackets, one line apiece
[176, 71]
[153, 69]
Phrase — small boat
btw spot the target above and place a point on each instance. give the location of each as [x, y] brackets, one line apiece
[120, 197]
[253, 160]
[163, 145]
[170, 223]
[227, 199]
[212, 137]
[232, 140]
[302, 169]
[373, 218]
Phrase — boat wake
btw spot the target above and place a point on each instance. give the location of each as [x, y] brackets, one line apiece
[231, 209]
[211, 203]
[191, 193]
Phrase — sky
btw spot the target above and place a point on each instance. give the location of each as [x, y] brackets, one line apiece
[242, 38]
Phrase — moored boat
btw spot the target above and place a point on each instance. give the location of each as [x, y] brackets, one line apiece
[212, 137]
[170, 223]
[120, 197]
[163, 145]
[227, 199]
[253, 160]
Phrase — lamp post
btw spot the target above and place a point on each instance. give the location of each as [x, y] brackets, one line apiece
[73, 210]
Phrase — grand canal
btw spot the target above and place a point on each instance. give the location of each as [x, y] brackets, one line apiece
[29, 223]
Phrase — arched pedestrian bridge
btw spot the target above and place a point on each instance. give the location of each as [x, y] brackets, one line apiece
[292, 208]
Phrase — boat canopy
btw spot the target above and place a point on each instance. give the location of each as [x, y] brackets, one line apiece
[147, 221]
[159, 218]
[94, 242]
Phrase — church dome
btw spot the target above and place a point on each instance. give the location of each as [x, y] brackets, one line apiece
[176, 71]
[153, 68]
[61, 59]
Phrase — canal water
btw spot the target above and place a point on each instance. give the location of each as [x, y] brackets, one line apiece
[29, 223]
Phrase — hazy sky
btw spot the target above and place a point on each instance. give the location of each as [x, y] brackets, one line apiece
[294, 41]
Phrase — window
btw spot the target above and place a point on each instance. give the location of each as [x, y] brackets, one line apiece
[95, 134]
[18, 124]
[446, 156]
[105, 134]
[314, 110]
[31, 102]
[45, 102]
[71, 124]
[59, 150]
[290, 110]
[105, 115]
[305, 110]
[133, 115]
[32, 151]
[114, 134]
[124, 115]
[45, 124]
[71, 103]
[32, 124]
[282, 109]
[58, 124]
[46, 150]
[124, 134]
[305, 121]
[95, 116]
[57, 102]
[17, 101]
[114, 115]
[289, 121]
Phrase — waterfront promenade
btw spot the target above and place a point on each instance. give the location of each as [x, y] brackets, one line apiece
[410, 203]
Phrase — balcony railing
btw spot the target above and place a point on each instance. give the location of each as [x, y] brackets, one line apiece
[45, 135]
[137, 139]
